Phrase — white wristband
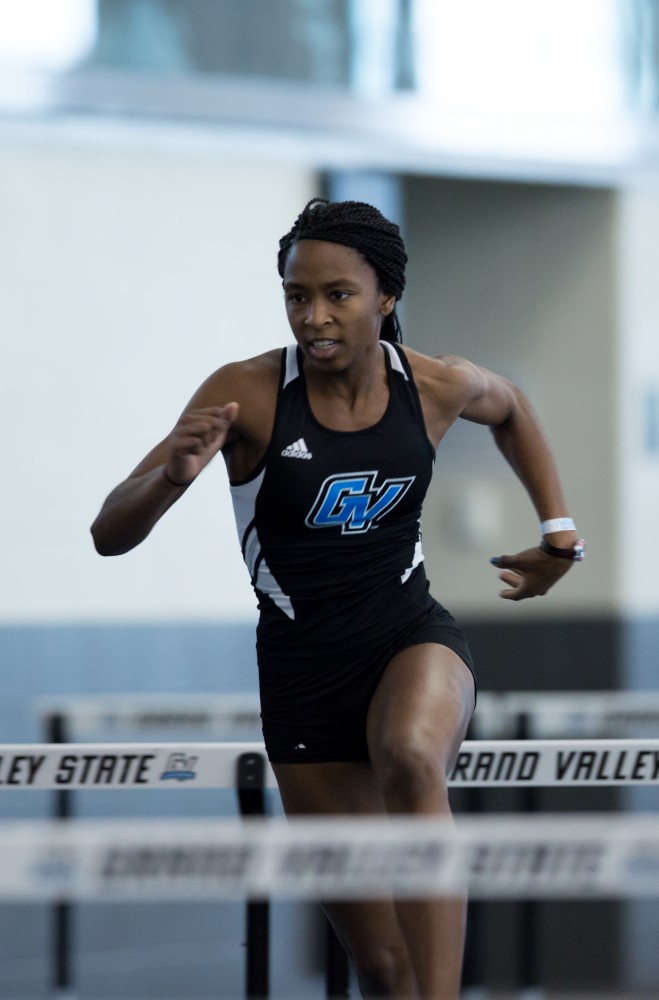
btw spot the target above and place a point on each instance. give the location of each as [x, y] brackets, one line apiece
[557, 524]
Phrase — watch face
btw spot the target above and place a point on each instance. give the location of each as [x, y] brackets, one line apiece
[580, 551]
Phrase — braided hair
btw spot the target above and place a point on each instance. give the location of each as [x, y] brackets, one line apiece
[362, 227]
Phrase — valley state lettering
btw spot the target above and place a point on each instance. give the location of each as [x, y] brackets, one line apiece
[20, 769]
[78, 769]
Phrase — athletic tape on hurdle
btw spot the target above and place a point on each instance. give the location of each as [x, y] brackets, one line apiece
[330, 858]
[480, 763]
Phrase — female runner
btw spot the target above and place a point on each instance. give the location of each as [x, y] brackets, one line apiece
[366, 681]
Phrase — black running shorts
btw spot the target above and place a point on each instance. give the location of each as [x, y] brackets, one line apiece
[314, 710]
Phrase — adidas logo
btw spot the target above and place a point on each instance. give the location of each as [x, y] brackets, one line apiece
[296, 450]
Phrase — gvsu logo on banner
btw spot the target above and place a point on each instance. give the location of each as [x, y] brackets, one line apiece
[179, 767]
[354, 502]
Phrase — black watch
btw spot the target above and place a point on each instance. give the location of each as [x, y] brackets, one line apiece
[575, 554]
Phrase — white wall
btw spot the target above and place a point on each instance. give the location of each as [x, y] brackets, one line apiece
[130, 271]
[131, 268]
[523, 280]
[637, 387]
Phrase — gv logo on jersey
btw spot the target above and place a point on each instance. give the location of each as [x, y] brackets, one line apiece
[353, 501]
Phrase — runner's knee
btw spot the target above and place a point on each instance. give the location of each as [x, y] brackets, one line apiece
[384, 971]
[412, 774]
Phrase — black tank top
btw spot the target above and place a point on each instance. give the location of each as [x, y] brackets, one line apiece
[329, 521]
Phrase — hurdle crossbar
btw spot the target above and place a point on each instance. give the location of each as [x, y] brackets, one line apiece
[236, 715]
[567, 714]
[231, 715]
[331, 858]
[480, 763]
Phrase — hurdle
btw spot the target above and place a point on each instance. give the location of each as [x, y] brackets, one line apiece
[231, 716]
[207, 716]
[566, 714]
[137, 766]
[562, 856]
[479, 764]
[519, 715]
[541, 715]
[236, 715]
[331, 858]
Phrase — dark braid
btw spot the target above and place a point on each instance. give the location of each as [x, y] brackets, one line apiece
[360, 226]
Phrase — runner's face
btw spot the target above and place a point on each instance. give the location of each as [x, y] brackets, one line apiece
[333, 303]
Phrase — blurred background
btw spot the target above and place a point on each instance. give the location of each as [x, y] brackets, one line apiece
[152, 152]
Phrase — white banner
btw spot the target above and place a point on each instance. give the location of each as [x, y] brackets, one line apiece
[234, 715]
[564, 763]
[61, 766]
[491, 857]
[568, 714]
[480, 763]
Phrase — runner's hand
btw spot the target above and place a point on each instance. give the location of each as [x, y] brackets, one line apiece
[196, 439]
[530, 573]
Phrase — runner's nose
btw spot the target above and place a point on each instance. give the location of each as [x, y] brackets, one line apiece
[317, 314]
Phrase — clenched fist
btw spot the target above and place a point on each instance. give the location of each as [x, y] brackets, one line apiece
[196, 439]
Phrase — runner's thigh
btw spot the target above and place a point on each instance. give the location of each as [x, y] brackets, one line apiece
[423, 704]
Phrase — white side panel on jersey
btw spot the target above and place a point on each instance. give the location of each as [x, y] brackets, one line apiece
[244, 507]
[244, 497]
[417, 559]
[267, 584]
